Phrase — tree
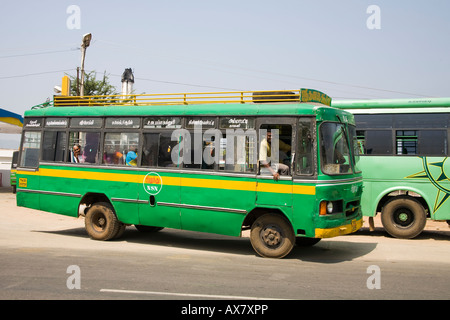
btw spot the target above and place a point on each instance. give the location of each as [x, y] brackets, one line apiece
[92, 86]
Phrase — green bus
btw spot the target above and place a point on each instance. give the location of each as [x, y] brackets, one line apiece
[12, 177]
[192, 162]
[404, 150]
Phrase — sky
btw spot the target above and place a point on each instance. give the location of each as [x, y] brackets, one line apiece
[348, 49]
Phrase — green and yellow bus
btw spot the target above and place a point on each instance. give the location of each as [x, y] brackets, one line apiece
[194, 162]
[404, 144]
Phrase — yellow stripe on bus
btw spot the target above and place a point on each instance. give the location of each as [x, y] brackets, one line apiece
[177, 181]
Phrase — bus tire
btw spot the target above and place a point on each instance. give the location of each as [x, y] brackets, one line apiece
[101, 222]
[272, 236]
[403, 217]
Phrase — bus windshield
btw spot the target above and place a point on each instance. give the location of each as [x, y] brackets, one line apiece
[335, 153]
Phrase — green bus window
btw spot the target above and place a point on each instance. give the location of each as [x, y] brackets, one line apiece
[335, 155]
[378, 142]
[406, 142]
[157, 149]
[237, 145]
[275, 149]
[121, 148]
[304, 156]
[238, 151]
[54, 146]
[30, 149]
[88, 143]
[432, 142]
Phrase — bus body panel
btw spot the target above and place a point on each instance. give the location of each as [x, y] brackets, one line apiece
[424, 176]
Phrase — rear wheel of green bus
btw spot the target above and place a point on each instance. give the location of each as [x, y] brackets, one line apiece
[272, 236]
[403, 217]
[101, 223]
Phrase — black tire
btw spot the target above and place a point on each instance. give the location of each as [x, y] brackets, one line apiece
[306, 242]
[101, 222]
[403, 217]
[272, 236]
[147, 229]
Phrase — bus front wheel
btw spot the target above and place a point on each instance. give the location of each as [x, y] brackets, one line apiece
[272, 236]
[101, 223]
[403, 217]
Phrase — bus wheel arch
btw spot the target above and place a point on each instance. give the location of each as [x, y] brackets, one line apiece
[90, 199]
[271, 235]
[404, 216]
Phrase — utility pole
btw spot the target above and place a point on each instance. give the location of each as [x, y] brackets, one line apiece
[86, 41]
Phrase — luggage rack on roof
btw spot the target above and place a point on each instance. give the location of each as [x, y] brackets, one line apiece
[300, 95]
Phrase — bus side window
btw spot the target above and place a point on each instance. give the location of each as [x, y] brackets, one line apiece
[157, 150]
[89, 143]
[30, 149]
[54, 146]
[378, 142]
[275, 149]
[121, 148]
[304, 156]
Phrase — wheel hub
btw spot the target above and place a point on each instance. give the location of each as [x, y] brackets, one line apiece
[271, 236]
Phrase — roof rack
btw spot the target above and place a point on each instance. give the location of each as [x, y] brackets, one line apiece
[300, 95]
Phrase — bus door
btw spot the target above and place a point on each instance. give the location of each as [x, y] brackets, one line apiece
[276, 153]
[159, 192]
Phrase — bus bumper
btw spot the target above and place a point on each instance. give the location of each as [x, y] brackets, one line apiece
[355, 225]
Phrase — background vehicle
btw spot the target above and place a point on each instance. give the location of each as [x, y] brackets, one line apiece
[404, 146]
[15, 157]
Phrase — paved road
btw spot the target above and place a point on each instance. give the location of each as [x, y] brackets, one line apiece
[46, 256]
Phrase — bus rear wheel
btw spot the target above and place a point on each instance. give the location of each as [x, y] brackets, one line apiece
[272, 236]
[403, 217]
[101, 222]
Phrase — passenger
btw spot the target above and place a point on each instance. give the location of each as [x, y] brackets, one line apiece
[265, 153]
[131, 159]
[76, 154]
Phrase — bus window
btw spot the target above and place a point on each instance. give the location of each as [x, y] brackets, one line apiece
[378, 142]
[89, 144]
[433, 142]
[406, 141]
[275, 149]
[335, 155]
[54, 146]
[237, 147]
[157, 150]
[121, 148]
[30, 149]
[304, 156]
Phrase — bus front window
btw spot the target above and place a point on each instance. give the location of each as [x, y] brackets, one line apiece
[335, 155]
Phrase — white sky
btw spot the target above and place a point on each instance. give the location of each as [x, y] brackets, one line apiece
[195, 46]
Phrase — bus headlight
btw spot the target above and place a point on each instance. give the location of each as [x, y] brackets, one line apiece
[330, 207]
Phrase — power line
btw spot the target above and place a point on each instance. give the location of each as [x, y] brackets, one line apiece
[34, 74]
[37, 53]
[172, 82]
